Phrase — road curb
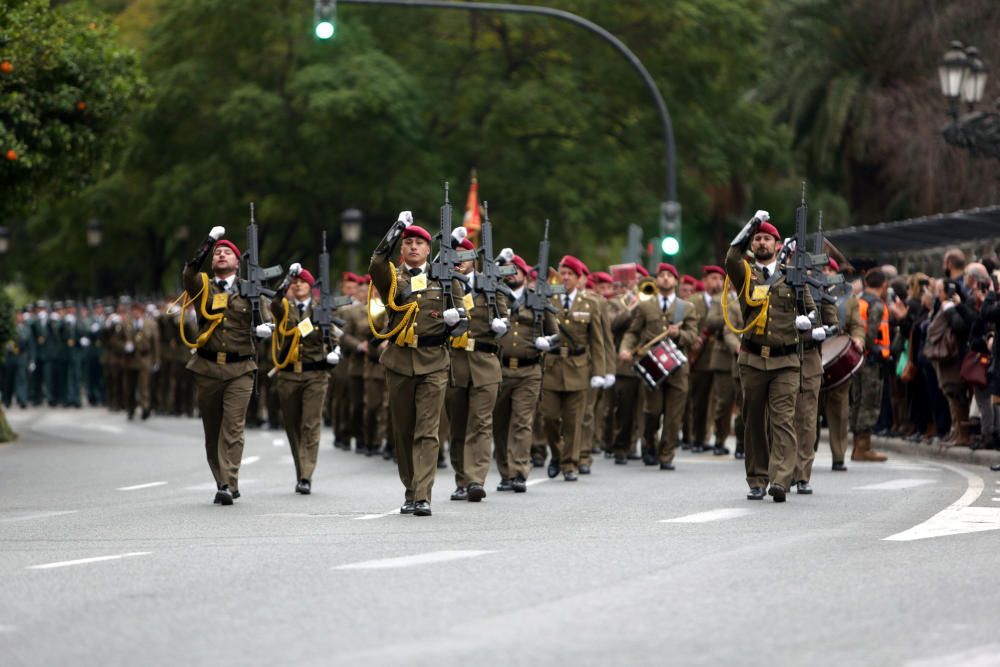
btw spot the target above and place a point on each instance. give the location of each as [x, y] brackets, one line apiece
[983, 457]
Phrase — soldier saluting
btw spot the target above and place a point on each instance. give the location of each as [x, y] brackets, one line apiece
[769, 356]
[224, 363]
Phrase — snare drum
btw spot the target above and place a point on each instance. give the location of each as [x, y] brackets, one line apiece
[840, 361]
[660, 362]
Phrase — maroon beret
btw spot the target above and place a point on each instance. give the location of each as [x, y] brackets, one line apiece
[417, 232]
[521, 264]
[706, 270]
[768, 228]
[308, 277]
[574, 265]
[663, 266]
[230, 245]
[602, 277]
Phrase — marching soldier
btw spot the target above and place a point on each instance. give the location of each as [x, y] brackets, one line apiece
[416, 360]
[672, 315]
[76, 350]
[113, 341]
[39, 324]
[868, 385]
[836, 403]
[475, 370]
[224, 363]
[19, 355]
[592, 441]
[340, 386]
[141, 345]
[301, 360]
[625, 391]
[376, 421]
[707, 303]
[521, 361]
[769, 362]
[576, 365]
[726, 389]
[354, 345]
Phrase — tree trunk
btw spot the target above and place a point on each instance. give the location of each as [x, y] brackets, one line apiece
[6, 432]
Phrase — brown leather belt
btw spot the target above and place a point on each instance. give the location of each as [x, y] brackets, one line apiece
[224, 357]
[517, 362]
[770, 351]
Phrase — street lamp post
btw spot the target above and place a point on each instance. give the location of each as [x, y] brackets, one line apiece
[350, 231]
[962, 76]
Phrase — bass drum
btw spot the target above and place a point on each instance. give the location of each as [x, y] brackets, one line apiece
[840, 361]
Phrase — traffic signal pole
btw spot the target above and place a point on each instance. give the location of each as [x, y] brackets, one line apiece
[669, 151]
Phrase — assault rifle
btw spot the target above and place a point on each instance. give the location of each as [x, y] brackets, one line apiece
[324, 315]
[442, 267]
[818, 253]
[539, 301]
[490, 281]
[251, 283]
[801, 275]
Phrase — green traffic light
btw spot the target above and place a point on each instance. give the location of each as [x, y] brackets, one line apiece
[670, 245]
[324, 29]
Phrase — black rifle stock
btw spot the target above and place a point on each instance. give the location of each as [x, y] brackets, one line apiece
[539, 301]
[442, 267]
[490, 281]
[325, 314]
[251, 285]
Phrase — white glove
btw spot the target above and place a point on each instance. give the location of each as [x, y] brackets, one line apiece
[56, 316]
[217, 233]
[762, 216]
[499, 326]
[507, 255]
[405, 217]
[609, 380]
[802, 323]
[597, 382]
[459, 234]
[95, 327]
[542, 343]
[451, 317]
[336, 331]
[264, 330]
[819, 334]
[156, 368]
[43, 317]
[295, 269]
[115, 318]
[129, 347]
[334, 357]
[84, 341]
[32, 367]
[71, 318]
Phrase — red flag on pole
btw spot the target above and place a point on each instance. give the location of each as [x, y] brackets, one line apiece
[472, 220]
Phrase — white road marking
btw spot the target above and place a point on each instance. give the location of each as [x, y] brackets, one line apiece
[277, 442]
[107, 428]
[711, 515]
[409, 561]
[896, 485]
[141, 486]
[250, 459]
[911, 467]
[211, 486]
[37, 515]
[958, 518]
[367, 517]
[532, 482]
[84, 561]
[980, 656]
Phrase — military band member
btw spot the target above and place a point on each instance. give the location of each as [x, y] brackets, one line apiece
[596, 286]
[224, 363]
[726, 389]
[517, 401]
[576, 364]
[475, 370]
[141, 345]
[707, 303]
[339, 399]
[416, 360]
[624, 397]
[666, 313]
[769, 361]
[301, 359]
[836, 403]
[354, 345]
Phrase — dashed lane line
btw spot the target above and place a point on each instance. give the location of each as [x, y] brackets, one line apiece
[711, 515]
[896, 484]
[86, 561]
[410, 561]
[136, 487]
[37, 515]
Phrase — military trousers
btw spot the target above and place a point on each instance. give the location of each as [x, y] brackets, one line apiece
[866, 397]
[470, 413]
[538, 442]
[769, 415]
[836, 405]
[667, 401]
[223, 407]
[15, 382]
[356, 408]
[806, 416]
[513, 419]
[700, 399]
[726, 391]
[417, 401]
[624, 398]
[136, 388]
[562, 416]
[588, 426]
[301, 396]
[376, 416]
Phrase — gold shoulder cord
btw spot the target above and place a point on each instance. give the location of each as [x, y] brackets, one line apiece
[404, 330]
[281, 333]
[761, 320]
[186, 302]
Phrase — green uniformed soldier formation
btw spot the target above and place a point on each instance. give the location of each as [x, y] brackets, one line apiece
[488, 378]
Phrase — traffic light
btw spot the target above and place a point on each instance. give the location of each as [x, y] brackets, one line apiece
[325, 18]
[670, 228]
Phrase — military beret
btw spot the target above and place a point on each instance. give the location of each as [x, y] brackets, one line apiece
[416, 231]
[228, 244]
[308, 277]
[663, 266]
[574, 265]
[711, 268]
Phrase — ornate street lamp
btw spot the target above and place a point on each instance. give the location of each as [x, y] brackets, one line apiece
[350, 231]
[962, 75]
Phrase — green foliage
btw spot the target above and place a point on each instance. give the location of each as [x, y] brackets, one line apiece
[6, 319]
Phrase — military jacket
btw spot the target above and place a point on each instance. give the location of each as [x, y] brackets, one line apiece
[233, 336]
[703, 310]
[145, 342]
[470, 365]
[312, 347]
[580, 354]
[650, 321]
[620, 318]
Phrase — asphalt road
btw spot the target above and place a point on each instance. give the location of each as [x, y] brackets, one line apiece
[113, 554]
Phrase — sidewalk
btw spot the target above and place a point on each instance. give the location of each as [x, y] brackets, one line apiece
[983, 457]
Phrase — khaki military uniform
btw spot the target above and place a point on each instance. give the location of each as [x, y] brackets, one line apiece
[836, 403]
[702, 376]
[301, 384]
[591, 430]
[517, 402]
[625, 394]
[416, 373]
[726, 389]
[224, 375]
[475, 369]
[769, 371]
[669, 398]
[568, 369]
[141, 349]
[807, 404]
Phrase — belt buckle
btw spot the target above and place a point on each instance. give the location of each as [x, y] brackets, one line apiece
[564, 352]
[765, 351]
[220, 357]
[298, 367]
[513, 362]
